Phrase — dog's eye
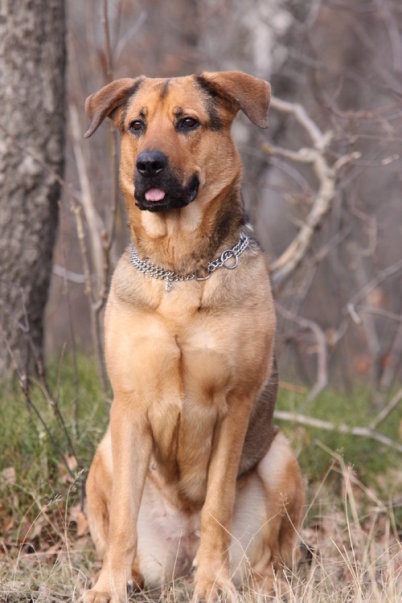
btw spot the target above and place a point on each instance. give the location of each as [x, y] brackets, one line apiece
[137, 126]
[187, 123]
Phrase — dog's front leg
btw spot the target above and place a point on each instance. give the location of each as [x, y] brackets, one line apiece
[131, 450]
[212, 560]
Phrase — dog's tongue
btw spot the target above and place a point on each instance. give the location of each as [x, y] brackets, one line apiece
[155, 194]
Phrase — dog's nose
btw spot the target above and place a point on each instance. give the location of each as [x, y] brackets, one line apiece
[150, 163]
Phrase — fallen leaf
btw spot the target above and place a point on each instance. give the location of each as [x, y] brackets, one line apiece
[8, 475]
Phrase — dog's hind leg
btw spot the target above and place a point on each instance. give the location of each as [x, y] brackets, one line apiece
[280, 473]
[283, 484]
[98, 489]
[267, 516]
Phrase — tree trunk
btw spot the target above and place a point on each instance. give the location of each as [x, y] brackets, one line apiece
[32, 69]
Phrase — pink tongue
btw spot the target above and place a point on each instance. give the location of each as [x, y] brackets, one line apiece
[154, 194]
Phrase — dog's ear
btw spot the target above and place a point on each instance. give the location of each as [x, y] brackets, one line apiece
[243, 91]
[104, 103]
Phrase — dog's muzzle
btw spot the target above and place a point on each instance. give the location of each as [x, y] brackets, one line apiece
[157, 188]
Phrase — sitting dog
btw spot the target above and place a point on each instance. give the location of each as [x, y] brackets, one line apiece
[191, 472]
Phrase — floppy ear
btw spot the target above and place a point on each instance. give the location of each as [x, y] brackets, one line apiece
[103, 103]
[244, 91]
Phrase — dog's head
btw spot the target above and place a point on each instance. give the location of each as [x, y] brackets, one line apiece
[176, 145]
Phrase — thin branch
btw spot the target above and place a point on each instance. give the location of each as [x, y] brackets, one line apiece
[54, 404]
[322, 356]
[298, 111]
[108, 53]
[106, 238]
[23, 381]
[377, 311]
[391, 26]
[364, 432]
[130, 34]
[367, 491]
[68, 275]
[386, 411]
[92, 217]
[288, 261]
[74, 351]
[379, 278]
[394, 357]
[76, 210]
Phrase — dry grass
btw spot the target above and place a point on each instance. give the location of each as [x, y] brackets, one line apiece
[351, 553]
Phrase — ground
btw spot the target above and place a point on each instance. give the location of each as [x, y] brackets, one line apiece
[351, 536]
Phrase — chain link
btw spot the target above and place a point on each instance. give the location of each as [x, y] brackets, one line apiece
[170, 277]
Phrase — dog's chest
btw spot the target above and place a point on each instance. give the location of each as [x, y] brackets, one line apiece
[183, 419]
[192, 398]
[183, 355]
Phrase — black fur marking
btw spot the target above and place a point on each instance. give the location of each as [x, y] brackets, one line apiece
[228, 219]
[165, 89]
[130, 94]
[261, 430]
[177, 195]
[215, 122]
[179, 113]
[207, 87]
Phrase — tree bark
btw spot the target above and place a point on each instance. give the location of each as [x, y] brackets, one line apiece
[32, 93]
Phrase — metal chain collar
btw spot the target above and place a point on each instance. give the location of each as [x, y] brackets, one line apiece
[170, 277]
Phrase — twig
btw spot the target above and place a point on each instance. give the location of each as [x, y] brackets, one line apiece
[339, 459]
[23, 381]
[378, 311]
[288, 261]
[322, 357]
[379, 278]
[108, 54]
[108, 237]
[368, 322]
[88, 290]
[394, 356]
[74, 351]
[54, 404]
[391, 26]
[68, 275]
[93, 219]
[386, 411]
[364, 432]
[129, 34]
[299, 112]
[98, 244]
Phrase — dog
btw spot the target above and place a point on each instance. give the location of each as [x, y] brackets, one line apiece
[191, 474]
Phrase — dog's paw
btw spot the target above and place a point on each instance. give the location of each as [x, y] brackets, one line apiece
[95, 596]
[111, 587]
[214, 590]
[101, 594]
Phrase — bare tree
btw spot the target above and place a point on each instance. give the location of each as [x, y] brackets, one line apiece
[32, 67]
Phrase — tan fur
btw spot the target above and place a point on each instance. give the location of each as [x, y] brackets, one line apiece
[190, 366]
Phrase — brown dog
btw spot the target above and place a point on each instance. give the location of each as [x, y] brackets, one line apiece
[191, 470]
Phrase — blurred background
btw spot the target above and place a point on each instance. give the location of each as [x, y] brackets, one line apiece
[342, 62]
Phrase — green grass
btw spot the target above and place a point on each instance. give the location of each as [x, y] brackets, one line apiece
[32, 472]
[371, 460]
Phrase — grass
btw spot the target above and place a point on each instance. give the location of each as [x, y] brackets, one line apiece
[356, 409]
[350, 535]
